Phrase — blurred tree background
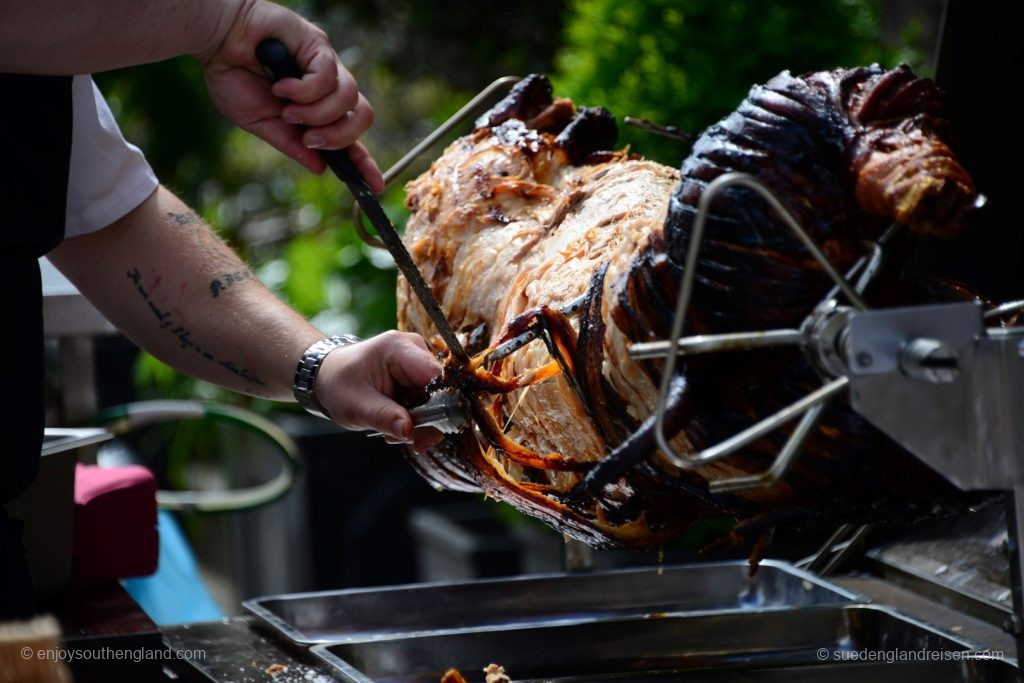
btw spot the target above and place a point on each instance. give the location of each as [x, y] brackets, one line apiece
[679, 62]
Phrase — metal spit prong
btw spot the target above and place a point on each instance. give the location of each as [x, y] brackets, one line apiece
[517, 342]
[1004, 308]
[814, 563]
[754, 432]
[870, 267]
[794, 444]
[439, 132]
[847, 549]
[843, 542]
[713, 189]
[1004, 331]
[670, 132]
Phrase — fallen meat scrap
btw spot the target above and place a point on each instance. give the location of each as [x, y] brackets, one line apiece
[494, 673]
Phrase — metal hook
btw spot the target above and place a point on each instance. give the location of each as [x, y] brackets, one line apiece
[439, 132]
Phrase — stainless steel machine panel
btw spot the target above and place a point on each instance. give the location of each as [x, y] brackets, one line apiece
[378, 613]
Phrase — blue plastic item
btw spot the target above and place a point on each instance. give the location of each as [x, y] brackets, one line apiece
[176, 593]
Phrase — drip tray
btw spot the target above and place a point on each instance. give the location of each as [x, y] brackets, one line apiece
[664, 648]
[385, 613]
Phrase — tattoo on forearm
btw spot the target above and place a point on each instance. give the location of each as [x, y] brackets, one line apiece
[219, 284]
[187, 218]
[204, 238]
[184, 336]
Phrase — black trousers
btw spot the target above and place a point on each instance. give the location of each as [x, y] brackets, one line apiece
[21, 417]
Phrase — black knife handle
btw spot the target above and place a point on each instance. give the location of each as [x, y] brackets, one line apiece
[275, 58]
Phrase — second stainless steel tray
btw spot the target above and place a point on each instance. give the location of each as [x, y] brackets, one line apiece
[382, 613]
[965, 671]
[666, 648]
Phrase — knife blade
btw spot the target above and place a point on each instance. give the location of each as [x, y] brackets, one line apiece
[278, 62]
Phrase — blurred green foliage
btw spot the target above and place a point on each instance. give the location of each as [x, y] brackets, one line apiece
[687, 63]
[163, 108]
[681, 62]
[465, 42]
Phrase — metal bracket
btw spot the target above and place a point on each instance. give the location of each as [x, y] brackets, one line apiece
[962, 422]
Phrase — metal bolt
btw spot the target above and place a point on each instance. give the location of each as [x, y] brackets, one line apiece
[931, 360]
[864, 359]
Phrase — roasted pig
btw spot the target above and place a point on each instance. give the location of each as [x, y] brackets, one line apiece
[533, 223]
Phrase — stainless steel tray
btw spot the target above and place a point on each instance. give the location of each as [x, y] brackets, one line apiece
[381, 613]
[655, 648]
[971, 671]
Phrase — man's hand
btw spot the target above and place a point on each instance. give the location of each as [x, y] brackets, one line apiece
[325, 109]
[355, 384]
[66, 37]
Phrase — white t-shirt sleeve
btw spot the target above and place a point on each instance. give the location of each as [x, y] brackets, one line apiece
[108, 176]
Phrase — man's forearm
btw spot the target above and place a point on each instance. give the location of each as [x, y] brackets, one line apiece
[165, 279]
[86, 36]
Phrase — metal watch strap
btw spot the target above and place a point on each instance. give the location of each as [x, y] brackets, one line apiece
[304, 384]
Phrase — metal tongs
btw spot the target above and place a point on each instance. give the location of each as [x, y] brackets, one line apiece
[441, 411]
[446, 411]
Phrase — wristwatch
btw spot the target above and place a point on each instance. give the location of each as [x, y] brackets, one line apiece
[309, 365]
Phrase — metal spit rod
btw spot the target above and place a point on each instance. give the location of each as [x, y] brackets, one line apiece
[706, 343]
[571, 309]
[867, 266]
